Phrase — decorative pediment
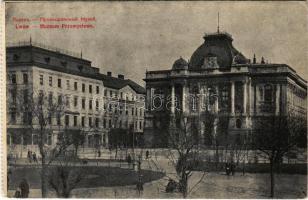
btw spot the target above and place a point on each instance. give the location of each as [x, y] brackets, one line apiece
[210, 62]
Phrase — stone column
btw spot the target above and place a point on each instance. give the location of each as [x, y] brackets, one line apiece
[249, 97]
[277, 101]
[245, 97]
[148, 99]
[216, 99]
[205, 97]
[232, 97]
[172, 99]
[184, 95]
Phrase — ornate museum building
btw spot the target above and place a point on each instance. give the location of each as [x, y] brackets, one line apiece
[219, 79]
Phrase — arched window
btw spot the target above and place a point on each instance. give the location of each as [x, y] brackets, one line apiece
[238, 123]
[193, 98]
[268, 93]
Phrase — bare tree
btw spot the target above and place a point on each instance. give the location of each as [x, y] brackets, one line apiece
[39, 110]
[184, 150]
[275, 136]
[65, 176]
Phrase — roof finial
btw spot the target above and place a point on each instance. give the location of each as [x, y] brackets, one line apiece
[218, 23]
[81, 54]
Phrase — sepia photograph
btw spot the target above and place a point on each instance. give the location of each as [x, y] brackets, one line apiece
[156, 99]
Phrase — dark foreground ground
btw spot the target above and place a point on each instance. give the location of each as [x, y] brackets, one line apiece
[92, 176]
[104, 182]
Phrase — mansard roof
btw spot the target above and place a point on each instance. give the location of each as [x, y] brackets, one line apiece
[118, 83]
[34, 54]
[220, 46]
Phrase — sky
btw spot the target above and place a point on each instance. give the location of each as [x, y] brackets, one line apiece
[132, 37]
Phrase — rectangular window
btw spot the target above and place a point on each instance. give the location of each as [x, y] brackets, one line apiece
[49, 139]
[140, 125]
[97, 89]
[83, 103]
[96, 105]
[140, 112]
[13, 79]
[75, 101]
[41, 79]
[110, 126]
[59, 83]
[35, 139]
[90, 104]
[75, 86]
[136, 113]
[82, 121]
[110, 93]
[75, 120]
[68, 84]
[67, 102]
[50, 98]
[27, 118]
[25, 77]
[67, 120]
[13, 117]
[83, 87]
[13, 96]
[50, 81]
[90, 89]
[25, 96]
[104, 123]
[60, 99]
[121, 95]
[58, 119]
[90, 121]
[96, 122]
[105, 92]
[132, 111]
[49, 118]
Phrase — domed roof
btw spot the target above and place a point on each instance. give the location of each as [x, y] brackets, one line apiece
[180, 64]
[216, 48]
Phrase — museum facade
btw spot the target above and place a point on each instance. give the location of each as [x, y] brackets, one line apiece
[219, 79]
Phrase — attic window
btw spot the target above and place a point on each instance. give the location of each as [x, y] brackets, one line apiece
[80, 67]
[16, 57]
[47, 59]
[64, 63]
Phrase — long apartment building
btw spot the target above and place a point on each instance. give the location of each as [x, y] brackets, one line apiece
[94, 103]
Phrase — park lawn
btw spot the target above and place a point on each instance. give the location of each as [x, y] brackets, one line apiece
[95, 176]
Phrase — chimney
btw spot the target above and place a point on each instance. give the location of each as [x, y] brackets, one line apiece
[254, 59]
[121, 76]
[262, 60]
[109, 74]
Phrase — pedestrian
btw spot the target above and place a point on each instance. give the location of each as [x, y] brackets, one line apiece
[34, 157]
[139, 185]
[232, 168]
[227, 168]
[24, 187]
[17, 193]
[29, 156]
[129, 160]
[147, 153]
[9, 174]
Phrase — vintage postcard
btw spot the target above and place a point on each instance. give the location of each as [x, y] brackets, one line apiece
[156, 99]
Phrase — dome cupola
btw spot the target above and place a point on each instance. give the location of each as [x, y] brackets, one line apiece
[180, 64]
[217, 51]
